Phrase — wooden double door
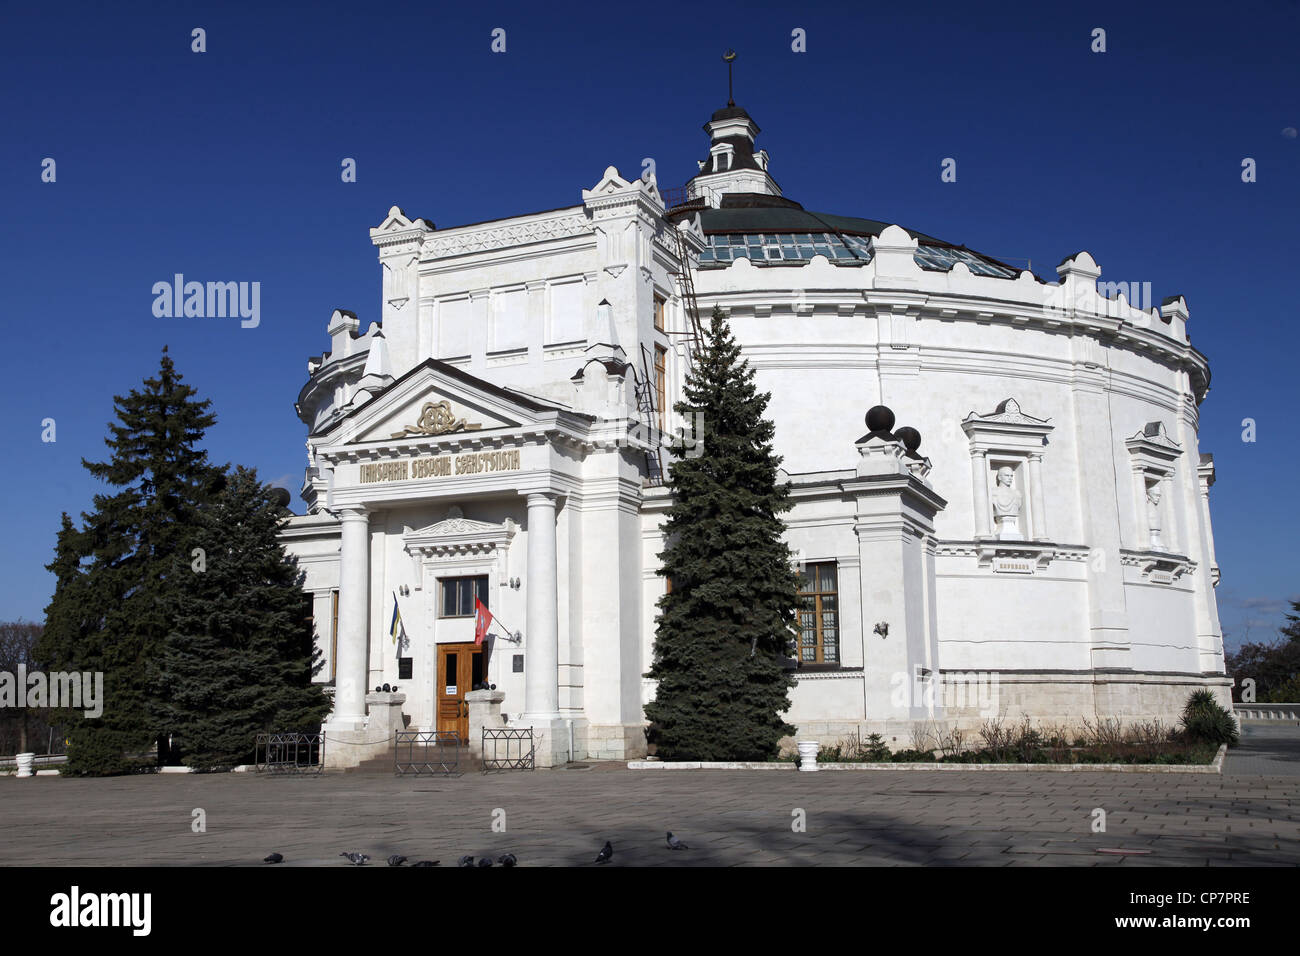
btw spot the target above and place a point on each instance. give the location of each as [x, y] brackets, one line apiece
[460, 668]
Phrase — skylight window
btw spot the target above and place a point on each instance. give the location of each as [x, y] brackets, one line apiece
[760, 247]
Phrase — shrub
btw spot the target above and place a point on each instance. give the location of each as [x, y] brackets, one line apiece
[830, 754]
[1205, 720]
[875, 750]
[914, 756]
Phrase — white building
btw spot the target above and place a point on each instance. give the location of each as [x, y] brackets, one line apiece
[486, 437]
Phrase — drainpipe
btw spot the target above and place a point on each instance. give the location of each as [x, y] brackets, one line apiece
[570, 723]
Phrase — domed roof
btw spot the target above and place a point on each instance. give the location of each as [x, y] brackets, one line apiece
[746, 220]
[730, 112]
[765, 226]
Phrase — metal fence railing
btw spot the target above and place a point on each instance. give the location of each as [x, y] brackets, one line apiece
[508, 749]
[289, 753]
[420, 752]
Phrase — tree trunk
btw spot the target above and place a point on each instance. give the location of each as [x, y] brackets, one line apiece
[22, 732]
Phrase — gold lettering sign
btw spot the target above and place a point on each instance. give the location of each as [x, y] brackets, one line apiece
[439, 466]
[436, 418]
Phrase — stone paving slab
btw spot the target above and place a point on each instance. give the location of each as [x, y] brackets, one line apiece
[728, 818]
[1266, 748]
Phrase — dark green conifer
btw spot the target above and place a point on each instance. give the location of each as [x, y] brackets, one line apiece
[727, 623]
[113, 574]
[239, 654]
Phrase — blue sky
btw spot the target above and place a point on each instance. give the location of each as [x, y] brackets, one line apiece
[225, 166]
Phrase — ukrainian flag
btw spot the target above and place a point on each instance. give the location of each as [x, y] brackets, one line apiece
[396, 627]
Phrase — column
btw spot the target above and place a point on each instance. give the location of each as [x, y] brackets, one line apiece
[354, 594]
[1207, 535]
[542, 660]
[1038, 512]
[980, 490]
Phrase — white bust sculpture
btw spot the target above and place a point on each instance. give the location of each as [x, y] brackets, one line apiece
[1006, 504]
[1153, 515]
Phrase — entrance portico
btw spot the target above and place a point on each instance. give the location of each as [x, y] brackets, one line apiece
[423, 516]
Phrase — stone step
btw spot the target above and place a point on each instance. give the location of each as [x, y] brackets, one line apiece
[386, 762]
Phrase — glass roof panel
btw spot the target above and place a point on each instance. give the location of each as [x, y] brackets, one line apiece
[786, 246]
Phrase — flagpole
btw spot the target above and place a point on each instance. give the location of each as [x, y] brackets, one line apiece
[496, 619]
[400, 620]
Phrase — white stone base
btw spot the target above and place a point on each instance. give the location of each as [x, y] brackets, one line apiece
[348, 748]
[1049, 700]
[550, 741]
[615, 742]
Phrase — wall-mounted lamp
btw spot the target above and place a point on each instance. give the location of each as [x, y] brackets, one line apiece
[404, 591]
[882, 628]
[514, 584]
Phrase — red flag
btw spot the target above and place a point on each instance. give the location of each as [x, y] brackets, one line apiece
[483, 619]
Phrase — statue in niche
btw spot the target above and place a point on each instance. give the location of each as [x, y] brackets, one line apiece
[1006, 504]
[1153, 515]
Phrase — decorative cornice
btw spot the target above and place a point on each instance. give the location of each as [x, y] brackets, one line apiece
[1007, 413]
[1153, 443]
[1023, 557]
[458, 535]
[1158, 567]
[459, 242]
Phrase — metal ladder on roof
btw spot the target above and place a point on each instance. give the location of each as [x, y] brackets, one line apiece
[647, 391]
[645, 404]
[689, 304]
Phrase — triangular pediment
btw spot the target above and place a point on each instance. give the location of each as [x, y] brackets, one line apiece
[432, 402]
[457, 534]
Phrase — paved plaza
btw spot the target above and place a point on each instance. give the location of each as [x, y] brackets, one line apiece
[1247, 816]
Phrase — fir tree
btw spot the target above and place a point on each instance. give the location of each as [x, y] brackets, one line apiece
[727, 621]
[240, 653]
[113, 574]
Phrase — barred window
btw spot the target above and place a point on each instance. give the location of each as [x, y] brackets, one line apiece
[819, 619]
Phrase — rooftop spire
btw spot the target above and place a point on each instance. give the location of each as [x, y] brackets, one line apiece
[730, 58]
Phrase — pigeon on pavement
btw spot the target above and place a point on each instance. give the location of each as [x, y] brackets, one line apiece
[396, 860]
[485, 861]
[606, 853]
[357, 859]
[465, 861]
[274, 858]
[508, 860]
[674, 843]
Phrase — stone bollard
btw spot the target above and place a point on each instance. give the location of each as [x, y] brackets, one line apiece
[25, 764]
[385, 714]
[808, 754]
[484, 711]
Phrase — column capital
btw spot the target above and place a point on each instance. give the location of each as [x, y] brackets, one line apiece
[353, 513]
[541, 499]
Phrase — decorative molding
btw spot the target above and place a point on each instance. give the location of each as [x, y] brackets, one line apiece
[1013, 557]
[457, 537]
[1009, 438]
[502, 237]
[1153, 448]
[436, 418]
[1157, 567]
